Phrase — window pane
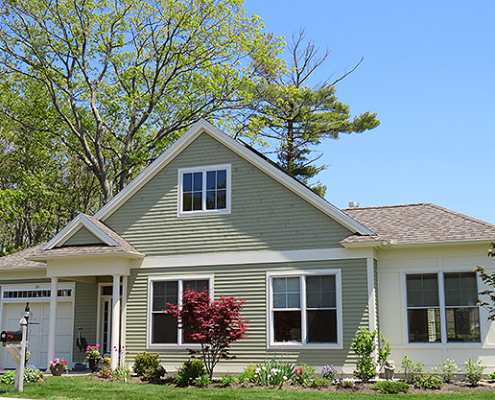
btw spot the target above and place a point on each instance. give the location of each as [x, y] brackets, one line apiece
[287, 326]
[164, 329]
[322, 326]
[422, 290]
[210, 200]
[211, 181]
[320, 291]
[163, 293]
[197, 200]
[198, 181]
[463, 324]
[424, 325]
[196, 285]
[187, 183]
[461, 289]
[286, 293]
[221, 199]
[187, 202]
[221, 179]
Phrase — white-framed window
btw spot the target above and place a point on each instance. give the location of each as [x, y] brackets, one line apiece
[305, 308]
[441, 307]
[162, 329]
[204, 190]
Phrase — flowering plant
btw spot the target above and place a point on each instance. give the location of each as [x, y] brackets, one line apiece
[57, 363]
[329, 372]
[303, 374]
[93, 353]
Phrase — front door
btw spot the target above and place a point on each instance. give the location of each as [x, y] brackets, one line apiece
[105, 319]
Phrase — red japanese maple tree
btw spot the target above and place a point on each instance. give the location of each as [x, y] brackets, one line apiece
[213, 324]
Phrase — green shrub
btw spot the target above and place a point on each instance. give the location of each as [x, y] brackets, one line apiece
[303, 375]
[228, 380]
[391, 387]
[273, 373]
[430, 382]
[413, 371]
[122, 373]
[447, 370]
[364, 345]
[189, 372]
[474, 372]
[143, 362]
[248, 374]
[348, 383]
[320, 382]
[8, 378]
[491, 377]
[202, 381]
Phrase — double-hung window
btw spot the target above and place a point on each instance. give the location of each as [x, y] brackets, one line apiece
[441, 307]
[204, 190]
[164, 329]
[305, 308]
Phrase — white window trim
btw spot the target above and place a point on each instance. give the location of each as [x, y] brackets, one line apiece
[204, 211]
[442, 307]
[149, 327]
[271, 344]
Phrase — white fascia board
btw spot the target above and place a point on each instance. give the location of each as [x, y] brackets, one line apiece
[66, 233]
[120, 254]
[239, 149]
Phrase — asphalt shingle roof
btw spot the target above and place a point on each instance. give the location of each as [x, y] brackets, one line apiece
[18, 260]
[418, 223]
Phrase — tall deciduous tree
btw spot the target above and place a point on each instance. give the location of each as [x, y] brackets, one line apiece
[285, 109]
[125, 78]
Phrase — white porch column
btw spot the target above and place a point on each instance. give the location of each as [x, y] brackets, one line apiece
[124, 310]
[52, 327]
[115, 342]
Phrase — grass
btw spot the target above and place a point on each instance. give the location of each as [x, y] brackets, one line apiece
[61, 388]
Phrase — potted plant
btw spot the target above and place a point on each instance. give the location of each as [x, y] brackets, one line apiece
[93, 356]
[58, 366]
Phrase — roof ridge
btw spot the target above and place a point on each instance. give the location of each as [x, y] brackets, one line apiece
[388, 206]
[464, 216]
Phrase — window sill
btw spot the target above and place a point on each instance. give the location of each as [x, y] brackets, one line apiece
[308, 346]
[201, 213]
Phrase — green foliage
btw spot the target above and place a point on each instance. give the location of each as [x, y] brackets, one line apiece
[474, 372]
[447, 370]
[429, 381]
[303, 375]
[124, 79]
[228, 380]
[491, 377]
[489, 281]
[320, 382]
[248, 373]
[391, 387]
[147, 367]
[122, 373]
[202, 381]
[285, 109]
[329, 372]
[412, 370]
[189, 372]
[8, 378]
[364, 345]
[348, 383]
[273, 373]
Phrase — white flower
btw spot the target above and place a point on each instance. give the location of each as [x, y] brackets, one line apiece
[285, 378]
[263, 368]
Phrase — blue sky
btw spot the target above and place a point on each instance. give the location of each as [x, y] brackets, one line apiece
[429, 73]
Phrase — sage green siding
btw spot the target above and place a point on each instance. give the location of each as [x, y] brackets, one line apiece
[82, 237]
[265, 215]
[249, 282]
[85, 315]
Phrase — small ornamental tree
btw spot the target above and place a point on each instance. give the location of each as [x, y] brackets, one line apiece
[488, 280]
[215, 325]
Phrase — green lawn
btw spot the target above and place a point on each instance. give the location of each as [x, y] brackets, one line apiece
[82, 387]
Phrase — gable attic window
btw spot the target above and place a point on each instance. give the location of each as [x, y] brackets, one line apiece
[204, 190]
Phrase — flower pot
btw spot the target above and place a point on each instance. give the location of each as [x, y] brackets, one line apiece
[57, 371]
[93, 365]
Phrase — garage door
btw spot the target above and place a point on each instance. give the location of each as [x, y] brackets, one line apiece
[38, 331]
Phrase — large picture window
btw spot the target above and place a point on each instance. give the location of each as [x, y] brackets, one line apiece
[441, 307]
[304, 309]
[163, 326]
[204, 190]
